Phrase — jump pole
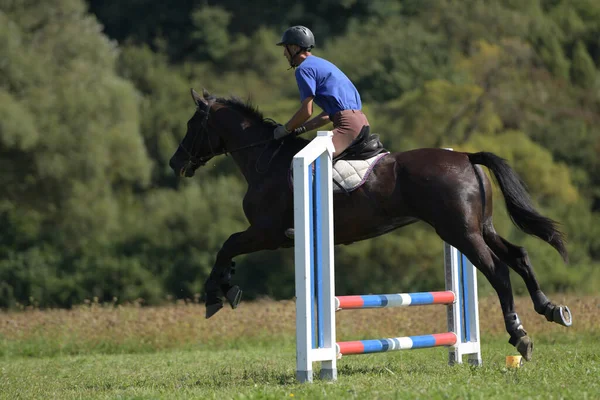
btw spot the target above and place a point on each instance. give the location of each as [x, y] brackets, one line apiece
[315, 281]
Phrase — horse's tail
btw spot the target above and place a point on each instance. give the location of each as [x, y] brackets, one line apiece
[519, 205]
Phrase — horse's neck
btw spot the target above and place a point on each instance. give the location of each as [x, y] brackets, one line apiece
[274, 158]
[246, 158]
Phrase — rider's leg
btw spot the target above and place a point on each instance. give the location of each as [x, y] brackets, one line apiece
[347, 125]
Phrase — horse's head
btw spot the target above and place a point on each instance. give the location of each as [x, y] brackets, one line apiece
[201, 142]
[222, 126]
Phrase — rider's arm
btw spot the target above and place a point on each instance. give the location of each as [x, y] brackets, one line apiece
[317, 122]
[303, 113]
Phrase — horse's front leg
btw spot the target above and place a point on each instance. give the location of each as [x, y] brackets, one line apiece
[220, 277]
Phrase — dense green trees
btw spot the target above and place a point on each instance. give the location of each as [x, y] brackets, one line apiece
[94, 99]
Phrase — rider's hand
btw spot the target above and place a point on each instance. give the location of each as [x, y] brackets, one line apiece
[280, 132]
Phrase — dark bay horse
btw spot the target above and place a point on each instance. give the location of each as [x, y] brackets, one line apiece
[446, 189]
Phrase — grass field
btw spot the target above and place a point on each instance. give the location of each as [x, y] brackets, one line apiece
[131, 352]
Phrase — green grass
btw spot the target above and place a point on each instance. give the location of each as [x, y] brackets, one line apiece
[569, 369]
[172, 352]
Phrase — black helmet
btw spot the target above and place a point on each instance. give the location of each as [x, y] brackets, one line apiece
[298, 35]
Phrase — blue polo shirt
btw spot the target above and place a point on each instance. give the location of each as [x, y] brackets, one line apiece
[330, 87]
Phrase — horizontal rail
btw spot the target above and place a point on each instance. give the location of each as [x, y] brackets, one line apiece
[401, 343]
[393, 300]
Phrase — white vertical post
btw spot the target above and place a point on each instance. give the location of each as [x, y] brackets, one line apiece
[321, 147]
[472, 299]
[464, 308]
[453, 312]
[328, 367]
[302, 259]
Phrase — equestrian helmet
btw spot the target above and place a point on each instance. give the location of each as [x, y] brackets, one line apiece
[299, 35]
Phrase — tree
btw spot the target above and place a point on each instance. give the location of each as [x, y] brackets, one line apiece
[89, 120]
[584, 71]
[553, 56]
[69, 139]
[404, 57]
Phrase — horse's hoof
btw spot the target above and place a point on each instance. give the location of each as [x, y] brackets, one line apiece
[212, 309]
[559, 314]
[234, 296]
[562, 315]
[525, 347]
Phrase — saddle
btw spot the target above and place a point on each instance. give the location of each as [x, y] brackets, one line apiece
[352, 167]
[364, 147]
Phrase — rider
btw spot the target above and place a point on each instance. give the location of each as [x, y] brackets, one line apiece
[323, 83]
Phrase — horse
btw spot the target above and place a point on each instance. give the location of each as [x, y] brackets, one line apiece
[446, 189]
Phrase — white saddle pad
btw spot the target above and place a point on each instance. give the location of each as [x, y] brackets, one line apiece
[351, 174]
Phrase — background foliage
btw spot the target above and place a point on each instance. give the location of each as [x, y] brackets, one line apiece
[94, 99]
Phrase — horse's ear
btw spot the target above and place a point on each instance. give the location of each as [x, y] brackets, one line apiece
[197, 98]
[207, 96]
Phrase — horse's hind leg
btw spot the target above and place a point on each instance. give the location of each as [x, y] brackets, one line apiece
[474, 247]
[516, 257]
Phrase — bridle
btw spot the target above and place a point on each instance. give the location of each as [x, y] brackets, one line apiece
[193, 160]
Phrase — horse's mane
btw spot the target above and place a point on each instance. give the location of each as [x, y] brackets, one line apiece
[249, 110]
